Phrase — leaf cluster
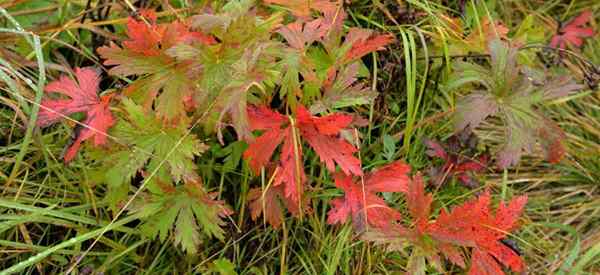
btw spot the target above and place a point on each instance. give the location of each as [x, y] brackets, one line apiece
[513, 93]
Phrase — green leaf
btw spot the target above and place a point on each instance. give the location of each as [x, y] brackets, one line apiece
[389, 147]
[345, 91]
[223, 267]
[147, 145]
[182, 213]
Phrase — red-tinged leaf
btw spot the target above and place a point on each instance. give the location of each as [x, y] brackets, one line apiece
[303, 8]
[269, 203]
[321, 133]
[483, 264]
[359, 199]
[452, 253]
[435, 149]
[560, 87]
[472, 224]
[456, 164]
[503, 254]
[573, 33]
[263, 118]
[419, 203]
[552, 138]
[291, 168]
[507, 215]
[127, 62]
[299, 35]
[364, 43]
[148, 38]
[262, 148]
[144, 35]
[340, 211]
[83, 97]
[290, 171]
[472, 166]
[390, 178]
[167, 82]
[332, 124]
[461, 226]
[473, 109]
[179, 32]
[356, 202]
[331, 150]
[98, 120]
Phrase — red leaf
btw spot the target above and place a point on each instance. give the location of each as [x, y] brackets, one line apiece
[150, 39]
[484, 264]
[573, 33]
[472, 224]
[83, 97]
[291, 168]
[144, 51]
[363, 43]
[299, 35]
[551, 138]
[302, 8]
[321, 133]
[168, 81]
[419, 203]
[452, 253]
[392, 178]
[455, 164]
[269, 203]
[435, 149]
[144, 35]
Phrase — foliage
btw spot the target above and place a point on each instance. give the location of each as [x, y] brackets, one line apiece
[361, 202]
[511, 92]
[471, 224]
[321, 133]
[260, 137]
[459, 159]
[83, 97]
[573, 32]
[204, 70]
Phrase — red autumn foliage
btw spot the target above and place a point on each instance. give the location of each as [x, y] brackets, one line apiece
[321, 133]
[83, 97]
[299, 34]
[149, 38]
[359, 200]
[573, 33]
[469, 225]
[363, 42]
[268, 202]
[303, 8]
[473, 225]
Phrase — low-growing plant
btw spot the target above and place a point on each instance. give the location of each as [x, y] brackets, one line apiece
[512, 92]
[262, 89]
[212, 70]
